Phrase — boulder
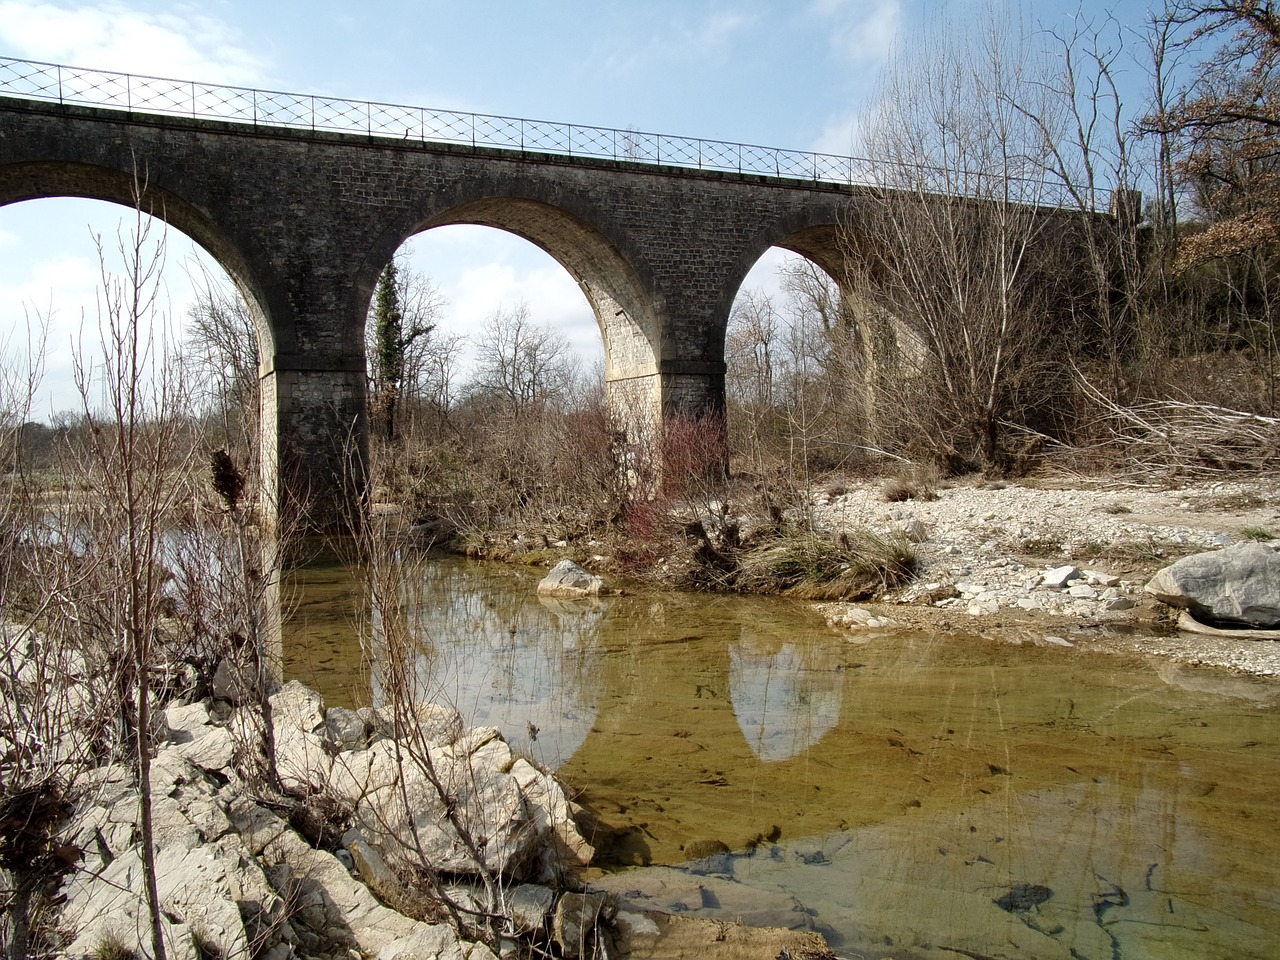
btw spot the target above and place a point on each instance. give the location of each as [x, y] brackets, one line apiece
[231, 682]
[196, 738]
[401, 812]
[345, 728]
[1237, 586]
[574, 925]
[298, 720]
[198, 892]
[435, 723]
[375, 873]
[530, 905]
[227, 866]
[342, 911]
[553, 820]
[567, 579]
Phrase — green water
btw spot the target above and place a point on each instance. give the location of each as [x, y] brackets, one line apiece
[910, 796]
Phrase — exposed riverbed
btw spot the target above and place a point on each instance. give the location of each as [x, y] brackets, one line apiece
[909, 792]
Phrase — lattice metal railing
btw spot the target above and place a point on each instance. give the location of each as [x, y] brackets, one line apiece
[102, 88]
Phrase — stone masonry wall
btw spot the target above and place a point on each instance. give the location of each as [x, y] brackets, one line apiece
[306, 221]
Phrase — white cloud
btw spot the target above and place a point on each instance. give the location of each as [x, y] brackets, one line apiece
[716, 32]
[50, 282]
[480, 270]
[51, 303]
[862, 30]
[707, 39]
[842, 136]
[182, 43]
[553, 298]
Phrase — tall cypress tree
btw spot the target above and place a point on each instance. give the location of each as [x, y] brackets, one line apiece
[389, 347]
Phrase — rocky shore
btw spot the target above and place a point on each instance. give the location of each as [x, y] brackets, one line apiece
[398, 837]
[1060, 560]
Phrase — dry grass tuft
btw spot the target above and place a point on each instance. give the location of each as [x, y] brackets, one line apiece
[917, 482]
[812, 567]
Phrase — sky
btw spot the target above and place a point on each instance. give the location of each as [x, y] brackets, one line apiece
[788, 73]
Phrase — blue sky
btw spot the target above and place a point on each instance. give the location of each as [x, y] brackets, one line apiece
[791, 73]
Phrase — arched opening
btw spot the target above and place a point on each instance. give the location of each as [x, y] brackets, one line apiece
[626, 319]
[797, 359]
[69, 266]
[489, 365]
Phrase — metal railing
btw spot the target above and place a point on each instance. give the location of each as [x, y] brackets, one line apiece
[34, 80]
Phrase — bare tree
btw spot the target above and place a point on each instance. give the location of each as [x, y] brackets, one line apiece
[951, 244]
[139, 450]
[435, 373]
[520, 362]
[1222, 132]
[222, 345]
[49, 720]
[786, 380]
[749, 354]
[1226, 121]
[1088, 154]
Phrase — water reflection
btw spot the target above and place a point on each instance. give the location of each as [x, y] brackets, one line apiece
[501, 658]
[916, 796]
[786, 699]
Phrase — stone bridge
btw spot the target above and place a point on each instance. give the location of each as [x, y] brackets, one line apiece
[305, 221]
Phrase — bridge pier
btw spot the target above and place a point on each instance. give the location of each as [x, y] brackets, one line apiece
[315, 445]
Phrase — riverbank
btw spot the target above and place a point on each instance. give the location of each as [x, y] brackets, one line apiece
[1053, 560]
[993, 554]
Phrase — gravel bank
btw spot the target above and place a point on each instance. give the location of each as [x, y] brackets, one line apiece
[1062, 560]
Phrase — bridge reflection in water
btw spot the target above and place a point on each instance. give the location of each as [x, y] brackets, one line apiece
[910, 796]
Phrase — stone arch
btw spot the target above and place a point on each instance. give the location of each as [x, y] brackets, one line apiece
[22, 182]
[42, 181]
[816, 233]
[591, 252]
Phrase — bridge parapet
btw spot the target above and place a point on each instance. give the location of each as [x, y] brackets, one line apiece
[138, 93]
[60, 83]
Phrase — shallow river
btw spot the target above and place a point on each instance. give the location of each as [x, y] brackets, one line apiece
[908, 796]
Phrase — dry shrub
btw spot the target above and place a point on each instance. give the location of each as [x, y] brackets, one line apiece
[853, 567]
[111, 946]
[1178, 440]
[916, 482]
[896, 491]
[692, 452]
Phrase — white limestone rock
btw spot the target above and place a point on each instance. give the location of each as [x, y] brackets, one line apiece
[1059, 577]
[345, 728]
[298, 722]
[1236, 586]
[196, 738]
[567, 579]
